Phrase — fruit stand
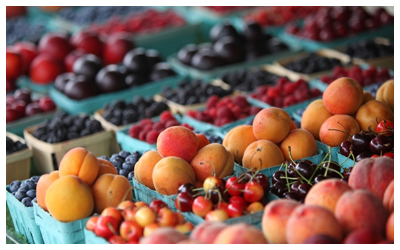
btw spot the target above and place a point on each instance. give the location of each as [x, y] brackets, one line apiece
[200, 125]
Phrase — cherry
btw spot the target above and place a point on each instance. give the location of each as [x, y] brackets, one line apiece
[253, 191]
[184, 202]
[238, 200]
[278, 176]
[263, 181]
[187, 188]
[345, 148]
[157, 204]
[234, 187]
[362, 155]
[320, 178]
[279, 188]
[201, 206]
[234, 210]
[290, 195]
[331, 168]
[380, 145]
[217, 193]
[246, 176]
[385, 127]
[295, 186]
[303, 190]
[360, 142]
[305, 169]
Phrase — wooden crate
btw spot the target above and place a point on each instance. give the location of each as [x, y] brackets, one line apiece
[19, 163]
[43, 152]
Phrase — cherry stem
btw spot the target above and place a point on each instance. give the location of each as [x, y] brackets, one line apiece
[111, 228]
[334, 170]
[251, 158]
[290, 154]
[329, 161]
[213, 170]
[287, 183]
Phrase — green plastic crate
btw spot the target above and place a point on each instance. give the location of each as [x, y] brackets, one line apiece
[92, 238]
[25, 82]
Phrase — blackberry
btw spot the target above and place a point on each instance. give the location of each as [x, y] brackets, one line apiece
[68, 121]
[44, 137]
[60, 115]
[74, 129]
[129, 116]
[117, 113]
[40, 131]
[138, 100]
[108, 115]
[61, 133]
[85, 132]
[116, 121]
[20, 146]
[118, 104]
[9, 143]
[156, 109]
[53, 139]
[94, 126]
[9, 151]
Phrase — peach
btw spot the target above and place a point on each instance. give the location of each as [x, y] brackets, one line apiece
[385, 93]
[333, 130]
[163, 235]
[213, 159]
[362, 236]
[43, 184]
[80, 162]
[367, 97]
[343, 96]
[177, 141]
[388, 197]
[306, 221]
[314, 115]
[293, 125]
[203, 141]
[326, 193]
[144, 168]
[188, 241]
[110, 190]
[207, 231]
[372, 112]
[171, 172]
[240, 233]
[69, 199]
[275, 216]
[358, 209]
[372, 174]
[262, 154]
[105, 167]
[390, 227]
[237, 140]
[272, 124]
[301, 142]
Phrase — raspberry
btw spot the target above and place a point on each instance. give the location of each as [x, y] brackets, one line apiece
[301, 84]
[142, 135]
[213, 112]
[254, 95]
[326, 79]
[166, 116]
[242, 116]
[263, 89]
[289, 100]
[192, 113]
[240, 101]
[146, 121]
[301, 95]
[224, 120]
[254, 110]
[278, 102]
[159, 126]
[224, 112]
[171, 123]
[281, 81]
[383, 75]
[289, 88]
[151, 137]
[204, 117]
[315, 92]
[338, 71]
[237, 111]
[188, 126]
[212, 101]
[134, 131]
[267, 99]
[273, 92]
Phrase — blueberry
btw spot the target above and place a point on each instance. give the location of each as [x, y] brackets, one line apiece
[14, 185]
[23, 188]
[27, 202]
[31, 193]
[131, 159]
[128, 166]
[124, 154]
[103, 157]
[35, 179]
[117, 161]
[114, 156]
[20, 195]
[131, 175]
[123, 172]
[30, 184]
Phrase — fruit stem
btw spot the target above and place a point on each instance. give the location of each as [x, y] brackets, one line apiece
[334, 170]
[290, 155]
[251, 158]
[213, 170]
[302, 177]
[329, 161]
[111, 228]
[287, 183]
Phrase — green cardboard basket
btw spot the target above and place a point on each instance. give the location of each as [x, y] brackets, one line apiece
[17, 127]
[92, 238]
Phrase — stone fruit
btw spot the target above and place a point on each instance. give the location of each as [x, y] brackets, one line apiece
[79, 87]
[229, 49]
[367, 97]
[385, 93]
[362, 236]
[206, 232]
[186, 53]
[174, 169]
[44, 69]
[301, 142]
[69, 199]
[110, 190]
[105, 167]
[337, 128]
[89, 42]
[343, 96]
[116, 47]
[206, 59]
[271, 124]
[43, 184]
[54, 44]
[388, 197]
[70, 59]
[110, 79]
[371, 112]
[177, 141]
[309, 220]
[46, 104]
[212, 160]
[222, 30]
[163, 235]
[87, 65]
[262, 154]
[160, 71]
[237, 140]
[203, 141]
[144, 168]
[80, 162]
[240, 233]
[28, 52]
[390, 227]
[314, 116]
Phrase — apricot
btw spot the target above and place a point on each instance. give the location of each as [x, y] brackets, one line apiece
[301, 143]
[43, 184]
[144, 168]
[203, 141]
[367, 97]
[237, 140]
[326, 193]
[333, 130]
[275, 216]
[372, 174]
[207, 231]
[240, 233]
[110, 190]
[272, 124]
[213, 159]
[177, 141]
[105, 167]
[262, 154]
[69, 199]
[385, 93]
[388, 197]
[80, 162]
[171, 172]
[313, 116]
[358, 209]
[390, 227]
[372, 112]
[306, 221]
[343, 96]
[293, 125]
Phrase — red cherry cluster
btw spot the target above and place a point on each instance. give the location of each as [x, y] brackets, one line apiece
[235, 197]
[147, 130]
[20, 105]
[372, 144]
[285, 93]
[130, 221]
[149, 21]
[280, 15]
[364, 77]
[220, 111]
[331, 23]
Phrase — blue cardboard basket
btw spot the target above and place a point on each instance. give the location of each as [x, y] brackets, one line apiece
[25, 82]
[23, 219]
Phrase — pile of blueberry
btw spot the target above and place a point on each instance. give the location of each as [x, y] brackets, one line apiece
[312, 63]
[248, 80]
[121, 113]
[96, 14]
[21, 29]
[25, 191]
[194, 91]
[124, 162]
[369, 49]
[64, 127]
[12, 147]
